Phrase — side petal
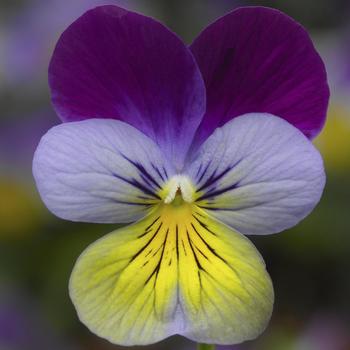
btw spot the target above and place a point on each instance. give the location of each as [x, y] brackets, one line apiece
[112, 63]
[99, 170]
[177, 271]
[258, 174]
[257, 59]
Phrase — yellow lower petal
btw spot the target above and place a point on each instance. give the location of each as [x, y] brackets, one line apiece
[178, 271]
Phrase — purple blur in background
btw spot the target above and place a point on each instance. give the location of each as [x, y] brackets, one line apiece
[309, 265]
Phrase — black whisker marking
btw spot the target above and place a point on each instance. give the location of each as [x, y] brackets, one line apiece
[200, 251]
[212, 250]
[143, 172]
[205, 226]
[147, 229]
[217, 192]
[165, 172]
[204, 171]
[158, 172]
[138, 185]
[199, 265]
[177, 242]
[131, 203]
[147, 244]
[183, 246]
[193, 251]
[199, 169]
[213, 178]
[157, 268]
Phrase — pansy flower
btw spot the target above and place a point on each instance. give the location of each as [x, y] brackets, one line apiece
[196, 147]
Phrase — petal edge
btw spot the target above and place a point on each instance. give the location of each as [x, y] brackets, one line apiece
[99, 170]
[261, 60]
[113, 63]
[177, 271]
[258, 174]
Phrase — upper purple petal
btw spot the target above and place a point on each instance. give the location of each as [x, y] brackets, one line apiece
[112, 63]
[257, 59]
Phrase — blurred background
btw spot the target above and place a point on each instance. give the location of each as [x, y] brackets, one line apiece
[309, 264]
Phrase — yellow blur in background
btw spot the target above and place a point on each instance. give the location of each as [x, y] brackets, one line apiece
[309, 264]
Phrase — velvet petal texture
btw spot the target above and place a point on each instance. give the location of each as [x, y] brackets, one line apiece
[99, 170]
[258, 174]
[112, 63]
[257, 59]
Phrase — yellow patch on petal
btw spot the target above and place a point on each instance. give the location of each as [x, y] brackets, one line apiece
[177, 271]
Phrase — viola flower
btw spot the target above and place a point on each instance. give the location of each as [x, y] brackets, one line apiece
[198, 147]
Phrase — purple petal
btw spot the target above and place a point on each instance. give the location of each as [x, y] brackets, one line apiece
[99, 170]
[112, 63]
[258, 174]
[257, 59]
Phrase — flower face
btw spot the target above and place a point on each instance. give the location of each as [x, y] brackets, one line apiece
[197, 147]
